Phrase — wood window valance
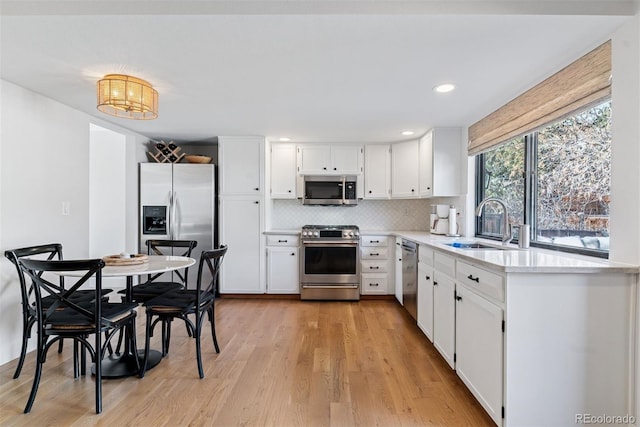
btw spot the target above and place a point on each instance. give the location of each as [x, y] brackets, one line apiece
[580, 84]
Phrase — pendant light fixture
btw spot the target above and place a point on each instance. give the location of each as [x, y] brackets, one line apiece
[127, 97]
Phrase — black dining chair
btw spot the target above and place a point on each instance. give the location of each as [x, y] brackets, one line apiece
[156, 285]
[66, 317]
[180, 303]
[51, 251]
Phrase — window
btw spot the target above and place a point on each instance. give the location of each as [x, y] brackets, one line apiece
[557, 180]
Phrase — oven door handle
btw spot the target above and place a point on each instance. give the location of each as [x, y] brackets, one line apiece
[328, 242]
[330, 286]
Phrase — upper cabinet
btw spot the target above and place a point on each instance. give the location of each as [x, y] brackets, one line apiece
[377, 171]
[283, 171]
[241, 165]
[330, 159]
[441, 157]
[405, 169]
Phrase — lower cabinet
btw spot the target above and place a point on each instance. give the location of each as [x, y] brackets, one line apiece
[282, 270]
[444, 316]
[479, 349]
[374, 265]
[425, 299]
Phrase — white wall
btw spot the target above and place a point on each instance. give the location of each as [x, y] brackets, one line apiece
[625, 174]
[44, 161]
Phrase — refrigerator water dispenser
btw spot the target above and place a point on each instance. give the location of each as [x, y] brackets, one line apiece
[154, 220]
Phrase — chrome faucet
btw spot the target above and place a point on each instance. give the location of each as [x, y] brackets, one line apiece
[506, 230]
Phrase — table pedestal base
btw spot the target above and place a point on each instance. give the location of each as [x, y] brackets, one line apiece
[124, 365]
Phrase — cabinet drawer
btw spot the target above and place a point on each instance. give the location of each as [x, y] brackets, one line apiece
[283, 240]
[373, 252]
[374, 284]
[374, 240]
[425, 255]
[444, 264]
[483, 281]
[374, 266]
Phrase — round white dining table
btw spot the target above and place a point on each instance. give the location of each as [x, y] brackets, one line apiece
[120, 365]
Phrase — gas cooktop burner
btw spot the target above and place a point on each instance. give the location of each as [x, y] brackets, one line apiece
[330, 227]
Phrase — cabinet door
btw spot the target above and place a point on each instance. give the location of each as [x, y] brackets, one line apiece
[240, 230]
[479, 349]
[240, 162]
[448, 159]
[282, 270]
[377, 171]
[346, 159]
[398, 269]
[404, 169]
[425, 299]
[444, 316]
[283, 171]
[426, 165]
[314, 159]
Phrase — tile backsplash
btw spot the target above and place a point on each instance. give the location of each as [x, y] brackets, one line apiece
[368, 214]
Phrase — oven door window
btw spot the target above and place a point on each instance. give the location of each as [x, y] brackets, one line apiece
[323, 190]
[330, 260]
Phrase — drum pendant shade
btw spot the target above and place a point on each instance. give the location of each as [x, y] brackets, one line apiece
[127, 97]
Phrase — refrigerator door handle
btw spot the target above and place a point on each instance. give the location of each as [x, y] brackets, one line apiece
[176, 218]
[174, 222]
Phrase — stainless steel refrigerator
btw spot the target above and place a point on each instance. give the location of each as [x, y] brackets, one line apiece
[177, 201]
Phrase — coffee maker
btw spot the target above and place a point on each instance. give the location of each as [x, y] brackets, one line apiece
[439, 219]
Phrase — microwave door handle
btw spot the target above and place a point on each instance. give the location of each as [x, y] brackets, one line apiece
[344, 190]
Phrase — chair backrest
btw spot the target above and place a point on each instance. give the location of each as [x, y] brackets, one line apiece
[90, 268]
[213, 260]
[171, 247]
[48, 252]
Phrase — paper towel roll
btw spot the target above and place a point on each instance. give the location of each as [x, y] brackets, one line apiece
[453, 225]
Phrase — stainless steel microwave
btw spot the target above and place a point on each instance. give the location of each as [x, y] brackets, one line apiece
[330, 190]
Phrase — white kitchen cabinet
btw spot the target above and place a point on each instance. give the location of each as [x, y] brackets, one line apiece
[283, 171]
[441, 157]
[282, 270]
[425, 290]
[377, 171]
[374, 264]
[479, 349]
[241, 165]
[330, 159]
[405, 170]
[241, 225]
[398, 270]
[444, 307]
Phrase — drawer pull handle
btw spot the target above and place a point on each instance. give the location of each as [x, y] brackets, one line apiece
[374, 284]
[374, 241]
[282, 241]
[374, 267]
[475, 279]
[293, 254]
[374, 254]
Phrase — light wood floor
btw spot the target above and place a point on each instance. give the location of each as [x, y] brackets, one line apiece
[282, 363]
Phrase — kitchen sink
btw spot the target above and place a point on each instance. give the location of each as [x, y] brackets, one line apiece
[476, 245]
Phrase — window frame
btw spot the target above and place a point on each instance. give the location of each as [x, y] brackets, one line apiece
[530, 196]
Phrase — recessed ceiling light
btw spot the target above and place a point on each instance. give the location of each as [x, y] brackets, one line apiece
[444, 88]
[285, 139]
[408, 132]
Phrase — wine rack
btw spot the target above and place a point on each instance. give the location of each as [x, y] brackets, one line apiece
[166, 152]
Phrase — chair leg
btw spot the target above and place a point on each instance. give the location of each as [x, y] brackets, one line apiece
[76, 361]
[60, 345]
[168, 340]
[197, 337]
[212, 320]
[38, 374]
[98, 365]
[26, 331]
[147, 344]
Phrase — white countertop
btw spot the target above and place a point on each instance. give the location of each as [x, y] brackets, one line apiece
[514, 260]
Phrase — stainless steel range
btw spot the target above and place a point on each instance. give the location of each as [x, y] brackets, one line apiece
[330, 262]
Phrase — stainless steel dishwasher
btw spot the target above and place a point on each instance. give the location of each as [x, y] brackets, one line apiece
[410, 277]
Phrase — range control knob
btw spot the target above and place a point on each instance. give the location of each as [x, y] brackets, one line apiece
[316, 234]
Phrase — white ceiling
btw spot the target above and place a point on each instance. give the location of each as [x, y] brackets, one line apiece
[330, 71]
